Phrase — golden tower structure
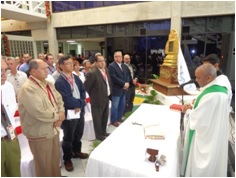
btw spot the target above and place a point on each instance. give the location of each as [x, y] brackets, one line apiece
[168, 81]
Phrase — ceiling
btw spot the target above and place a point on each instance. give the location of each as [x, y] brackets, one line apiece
[8, 12]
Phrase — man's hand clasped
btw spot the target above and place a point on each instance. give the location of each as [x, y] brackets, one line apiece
[60, 120]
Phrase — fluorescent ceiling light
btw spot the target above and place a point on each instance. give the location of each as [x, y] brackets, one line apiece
[70, 41]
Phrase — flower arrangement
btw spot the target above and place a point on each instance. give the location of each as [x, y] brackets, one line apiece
[48, 11]
[5, 43]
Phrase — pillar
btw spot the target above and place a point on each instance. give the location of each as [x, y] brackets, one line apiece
[176, 22]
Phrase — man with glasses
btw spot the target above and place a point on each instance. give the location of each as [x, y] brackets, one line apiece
[98, 86]
[120, 76]
[73, 93]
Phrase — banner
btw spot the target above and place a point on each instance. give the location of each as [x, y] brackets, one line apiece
[183, 74]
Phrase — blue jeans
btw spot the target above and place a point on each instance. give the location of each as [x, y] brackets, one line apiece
[117, 107]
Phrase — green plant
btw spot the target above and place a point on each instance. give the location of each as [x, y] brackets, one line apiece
[152, 99]
[155, 76]
[95, 143]
[127, 115]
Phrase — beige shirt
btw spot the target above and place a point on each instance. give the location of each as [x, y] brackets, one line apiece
[37, 113]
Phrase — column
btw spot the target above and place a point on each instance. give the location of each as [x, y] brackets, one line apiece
[176, 22]
[52, 39]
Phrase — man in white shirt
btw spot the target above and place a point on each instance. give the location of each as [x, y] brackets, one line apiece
[10, 149]
[16, 78]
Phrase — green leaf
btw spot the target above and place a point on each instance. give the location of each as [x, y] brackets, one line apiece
[155, 76]
[153, 93]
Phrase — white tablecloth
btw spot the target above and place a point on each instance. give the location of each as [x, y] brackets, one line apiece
[123, 153]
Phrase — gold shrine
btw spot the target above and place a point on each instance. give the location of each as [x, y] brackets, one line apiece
[168, 81]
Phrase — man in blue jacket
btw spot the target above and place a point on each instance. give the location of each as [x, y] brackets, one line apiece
[120, 77]
[73, 93]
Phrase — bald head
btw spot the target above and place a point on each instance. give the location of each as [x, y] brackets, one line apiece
[205, 74]
[127, 59]
[38, 69]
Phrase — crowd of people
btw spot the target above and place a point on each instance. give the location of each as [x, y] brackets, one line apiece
[47, 92]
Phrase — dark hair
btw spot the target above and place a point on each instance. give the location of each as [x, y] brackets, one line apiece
[33, 64]
[47, 56]
[79, 60]
[96, 57]
[212, 58]
[62, 60]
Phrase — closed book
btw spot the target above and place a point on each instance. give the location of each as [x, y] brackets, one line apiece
[176, 107]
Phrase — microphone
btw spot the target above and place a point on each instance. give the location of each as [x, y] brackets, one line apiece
[190, 81]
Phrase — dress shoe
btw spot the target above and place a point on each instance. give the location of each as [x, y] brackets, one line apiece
[115, 124]
[80, 155]
[102, 138]
[106, 134]
[69, 165]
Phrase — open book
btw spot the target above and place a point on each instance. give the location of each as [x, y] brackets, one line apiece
[154, 132]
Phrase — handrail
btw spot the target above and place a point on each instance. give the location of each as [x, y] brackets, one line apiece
[30, 6]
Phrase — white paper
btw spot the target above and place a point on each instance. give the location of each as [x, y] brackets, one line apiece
[71, 114]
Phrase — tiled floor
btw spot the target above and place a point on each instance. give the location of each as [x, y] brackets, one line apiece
[80, 164]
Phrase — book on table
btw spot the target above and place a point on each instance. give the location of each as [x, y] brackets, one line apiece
[154, 132]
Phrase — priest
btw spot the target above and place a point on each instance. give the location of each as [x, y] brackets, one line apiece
[206, 141]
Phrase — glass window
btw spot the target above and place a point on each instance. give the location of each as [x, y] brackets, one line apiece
[92, 4]
[63, 33]
[112, 3]
[78, 32]
[109, 30]
[60, 6]
[220, 24]
[75, 5]
[195, 25]
[119, 29]
[96, 31]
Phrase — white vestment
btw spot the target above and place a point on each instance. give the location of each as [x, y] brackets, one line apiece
[208, 153]
[223, 80]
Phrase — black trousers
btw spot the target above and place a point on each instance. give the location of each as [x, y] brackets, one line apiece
[73, 131]
[130, 94]
[100, 118]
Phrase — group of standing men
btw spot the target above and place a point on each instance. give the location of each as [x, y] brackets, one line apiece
[44, 107]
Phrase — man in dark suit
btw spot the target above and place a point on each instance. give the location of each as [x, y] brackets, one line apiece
[73, 94]
[120, 83]
[98, 86]
[130, 94]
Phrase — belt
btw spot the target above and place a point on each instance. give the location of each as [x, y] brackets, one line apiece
[4, 138]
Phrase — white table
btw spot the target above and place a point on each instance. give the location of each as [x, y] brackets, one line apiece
[123, 153]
